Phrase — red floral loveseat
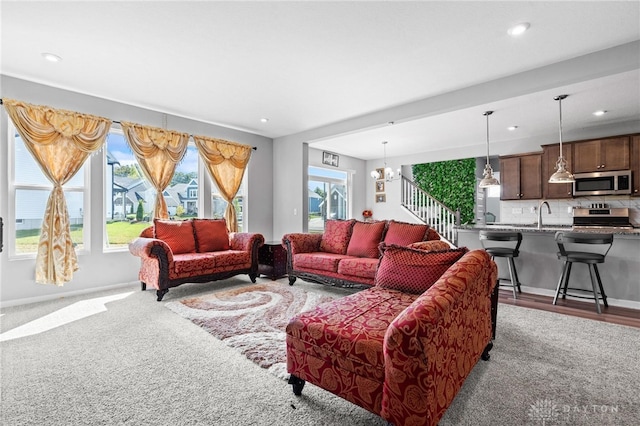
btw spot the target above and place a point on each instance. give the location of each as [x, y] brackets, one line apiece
[347, 253]
[403, 348]
[193, 251]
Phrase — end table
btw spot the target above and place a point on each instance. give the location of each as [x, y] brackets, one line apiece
[272, 260]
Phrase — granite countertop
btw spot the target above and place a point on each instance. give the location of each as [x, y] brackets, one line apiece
[550, 228]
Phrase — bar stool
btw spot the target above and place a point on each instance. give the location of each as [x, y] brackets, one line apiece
[507, 250]
[591, 259]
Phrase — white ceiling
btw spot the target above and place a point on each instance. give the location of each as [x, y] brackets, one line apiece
[312, 65]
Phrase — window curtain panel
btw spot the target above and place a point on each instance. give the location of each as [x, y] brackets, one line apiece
[226, 162]
[60, 141]
[158, 152]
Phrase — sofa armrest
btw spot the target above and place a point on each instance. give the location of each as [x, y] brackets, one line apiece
[245, 241]
[302, 242]
[430, 348]
[150, 247]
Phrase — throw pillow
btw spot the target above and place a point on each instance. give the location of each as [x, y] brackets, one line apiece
[433, 245]
[211, 235]
[432, 234]
[335, 238]
[413, 271]
[365, 238]
[178, 234]
[403, 234]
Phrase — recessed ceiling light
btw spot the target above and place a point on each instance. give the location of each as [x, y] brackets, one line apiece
[51, 57]
[599, 113]
[264, 120]
[512, 128]
[516, 30]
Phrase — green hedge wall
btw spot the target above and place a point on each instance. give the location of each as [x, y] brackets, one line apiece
[451, 182]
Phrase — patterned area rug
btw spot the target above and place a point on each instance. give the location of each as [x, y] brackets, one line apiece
[251, 319]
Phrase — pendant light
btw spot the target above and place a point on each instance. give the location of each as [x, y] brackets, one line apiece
[488, 179]
[562, 175]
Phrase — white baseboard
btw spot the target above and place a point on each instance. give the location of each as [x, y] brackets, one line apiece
[613, 302]
[36, 299]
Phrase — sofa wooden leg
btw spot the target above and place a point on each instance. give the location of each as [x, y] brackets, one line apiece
[297, 384]
[253, 277]
[143, 286]
[485, 354]
[292, 280]
[161, 293]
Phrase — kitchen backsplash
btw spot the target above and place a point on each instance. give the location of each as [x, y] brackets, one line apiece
[526, 211]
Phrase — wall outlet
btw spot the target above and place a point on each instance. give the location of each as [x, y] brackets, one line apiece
[516, 210]
[295, 212]
[569, 209]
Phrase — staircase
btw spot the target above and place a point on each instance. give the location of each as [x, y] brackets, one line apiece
[429, 210]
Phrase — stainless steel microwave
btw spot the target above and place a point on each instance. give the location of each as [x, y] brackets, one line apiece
[602, 183]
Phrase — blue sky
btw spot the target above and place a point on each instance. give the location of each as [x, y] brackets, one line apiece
[119, 148]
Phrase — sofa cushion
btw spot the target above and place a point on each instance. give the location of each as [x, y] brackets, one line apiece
[432, 234]
[335, 238]
[413, 271]
[365, 238]
[433, 245]
[364, 267]
[211, 235]
[178, 234]
[319, 261]
[403, 234]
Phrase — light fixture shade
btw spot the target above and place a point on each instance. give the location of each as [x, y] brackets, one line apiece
[562, 175]
[488, 179]
[375, 174]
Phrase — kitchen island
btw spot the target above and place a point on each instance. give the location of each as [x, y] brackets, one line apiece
[539, 268]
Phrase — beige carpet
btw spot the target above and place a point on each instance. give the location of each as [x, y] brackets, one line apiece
[251, 319]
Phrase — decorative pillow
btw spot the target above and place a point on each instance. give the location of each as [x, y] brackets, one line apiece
[432, 234]
[413, 271]
[178, 234]
[403, 234]
[211, 235]
[365, 238]
[335, 238]
[433, 245]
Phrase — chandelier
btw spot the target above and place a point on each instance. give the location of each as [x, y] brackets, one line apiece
[386, 172]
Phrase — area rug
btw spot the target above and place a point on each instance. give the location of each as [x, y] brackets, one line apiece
[251, 319]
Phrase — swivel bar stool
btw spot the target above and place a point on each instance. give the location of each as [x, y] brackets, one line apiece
[505, 249]
[567, 241]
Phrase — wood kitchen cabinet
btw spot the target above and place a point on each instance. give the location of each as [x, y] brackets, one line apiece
[635, 165]
[601, 155]
[520, 177]
[550, 154]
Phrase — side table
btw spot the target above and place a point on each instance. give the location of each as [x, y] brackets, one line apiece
[272, 260]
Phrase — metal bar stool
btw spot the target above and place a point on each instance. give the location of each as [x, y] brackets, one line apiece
[591, 259]
[507, 250]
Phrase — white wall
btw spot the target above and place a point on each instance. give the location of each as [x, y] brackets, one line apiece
[99, 269]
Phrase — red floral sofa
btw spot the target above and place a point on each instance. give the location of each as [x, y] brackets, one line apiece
[402, 348]
[193, 251]
[347, 253]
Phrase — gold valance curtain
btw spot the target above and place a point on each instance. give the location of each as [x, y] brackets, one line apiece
[226, 162]
[60, 141]
[158, 151]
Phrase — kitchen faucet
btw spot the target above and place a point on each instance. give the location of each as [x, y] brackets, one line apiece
[542, 203]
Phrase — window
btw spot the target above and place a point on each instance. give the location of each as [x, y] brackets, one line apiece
[219, 205]
[31, 190]
[327, 196]
[130, 197]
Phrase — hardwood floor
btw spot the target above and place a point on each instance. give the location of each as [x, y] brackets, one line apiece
[612, 314]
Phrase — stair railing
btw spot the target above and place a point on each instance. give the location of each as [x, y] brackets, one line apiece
[429, 210]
